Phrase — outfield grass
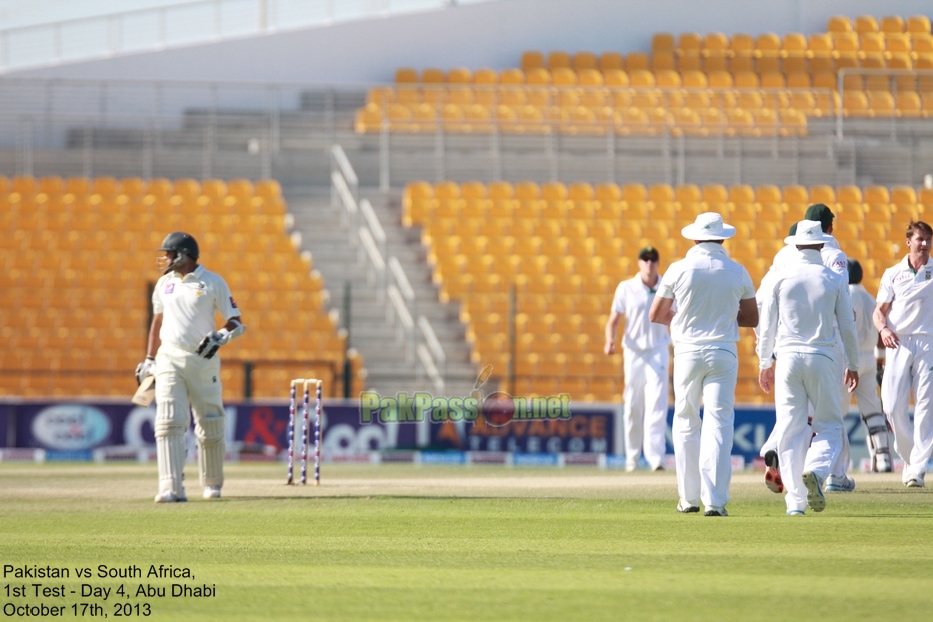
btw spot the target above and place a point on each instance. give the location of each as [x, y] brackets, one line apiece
[402, 542]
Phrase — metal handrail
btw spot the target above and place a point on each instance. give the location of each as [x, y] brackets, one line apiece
[349, 215]
[375, 227]
[848, 71]
[349, 175]
[433, 343]
[401, 280]
[369, 249]
[399, 311]
[431, 369]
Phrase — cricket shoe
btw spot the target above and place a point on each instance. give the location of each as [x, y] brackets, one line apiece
[711, 511]
[839, 484]
[212, 492]
[815, 499]
[772, 475]
[167, 496]
[915, 482]
[687, 508]
[796, 513]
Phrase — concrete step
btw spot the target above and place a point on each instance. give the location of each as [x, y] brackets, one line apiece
[390, 368]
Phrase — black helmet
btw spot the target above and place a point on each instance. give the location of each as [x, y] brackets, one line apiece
[181, 242]
[855, 272]
[183, 245]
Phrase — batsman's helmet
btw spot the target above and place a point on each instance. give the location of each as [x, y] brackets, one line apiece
[855, 272]
[183, 244]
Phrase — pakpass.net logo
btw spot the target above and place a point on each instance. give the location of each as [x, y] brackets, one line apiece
[497, 408]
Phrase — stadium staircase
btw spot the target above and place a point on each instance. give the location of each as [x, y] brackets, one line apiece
[389, 367]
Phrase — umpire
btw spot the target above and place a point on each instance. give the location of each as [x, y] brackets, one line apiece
[181, 355]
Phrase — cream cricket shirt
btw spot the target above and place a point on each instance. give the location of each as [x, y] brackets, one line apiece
[633, 300]
[799, 309]
[706, 287]
[864, 306]
[911, 296]
[188, 305]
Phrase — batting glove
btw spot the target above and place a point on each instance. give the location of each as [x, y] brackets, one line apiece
[212, 342]
[146, 368]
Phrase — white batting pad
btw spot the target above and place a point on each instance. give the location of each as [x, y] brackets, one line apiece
[211, 448]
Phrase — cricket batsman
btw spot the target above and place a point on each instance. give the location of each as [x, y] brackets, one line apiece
[181, 354]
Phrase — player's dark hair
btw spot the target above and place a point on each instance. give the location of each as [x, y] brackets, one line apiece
[855, 271]
[918, 225]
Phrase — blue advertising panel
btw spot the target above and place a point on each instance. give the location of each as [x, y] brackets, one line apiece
[71, 429]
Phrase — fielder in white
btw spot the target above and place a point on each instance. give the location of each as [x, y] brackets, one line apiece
[799, 307]
[646, 357]
[714, 296]
[903, 317]
[181, 355]
[866, 393]
[834, 259]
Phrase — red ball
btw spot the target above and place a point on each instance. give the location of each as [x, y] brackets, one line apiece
[498, 409]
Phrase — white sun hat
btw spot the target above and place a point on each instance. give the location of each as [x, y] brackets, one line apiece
[708, 226]
[808, 232]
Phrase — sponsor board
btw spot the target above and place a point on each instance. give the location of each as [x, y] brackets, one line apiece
[77, 428]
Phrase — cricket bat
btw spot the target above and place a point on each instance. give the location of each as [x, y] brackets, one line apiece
[146, 392]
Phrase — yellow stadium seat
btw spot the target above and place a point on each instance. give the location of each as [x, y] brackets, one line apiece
[558, 60]
[637, 61]
[855, 104]
[892, 24]
[663, 61]
[512, 76]
[746, 80]
[611, 61]
[865, 24]
[881, 104]
[406, 75]
[662, 42]
[838, 24]
[877, 195]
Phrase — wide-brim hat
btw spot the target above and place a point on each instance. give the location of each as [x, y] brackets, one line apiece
[708, 226]
[808, 232]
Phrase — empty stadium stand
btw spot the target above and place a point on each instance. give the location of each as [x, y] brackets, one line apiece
[566, 247]
[78, 267]
[693, 84]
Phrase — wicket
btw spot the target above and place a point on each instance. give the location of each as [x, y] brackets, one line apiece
[305, 432]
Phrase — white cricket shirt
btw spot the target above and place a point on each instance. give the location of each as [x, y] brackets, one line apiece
[188, 305]
[911, 296]
[798, 312]
[863, 304]
[831, 256]
[706, 287]
[633, 300]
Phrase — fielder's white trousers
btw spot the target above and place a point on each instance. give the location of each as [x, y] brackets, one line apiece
[801, 380]
[703, 449]
[646, 401]
[909, 367]
[841, 462]
[181, 378]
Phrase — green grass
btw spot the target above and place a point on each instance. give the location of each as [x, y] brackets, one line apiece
[401, 542]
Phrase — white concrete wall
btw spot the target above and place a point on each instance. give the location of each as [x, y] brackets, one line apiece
[485, 35]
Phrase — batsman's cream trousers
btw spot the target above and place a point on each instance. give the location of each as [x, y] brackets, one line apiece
[646, 399]
[183, 377]
[703, 449]
[801, 380]
[909, 367]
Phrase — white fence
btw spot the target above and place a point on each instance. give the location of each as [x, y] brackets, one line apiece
[189, 23]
